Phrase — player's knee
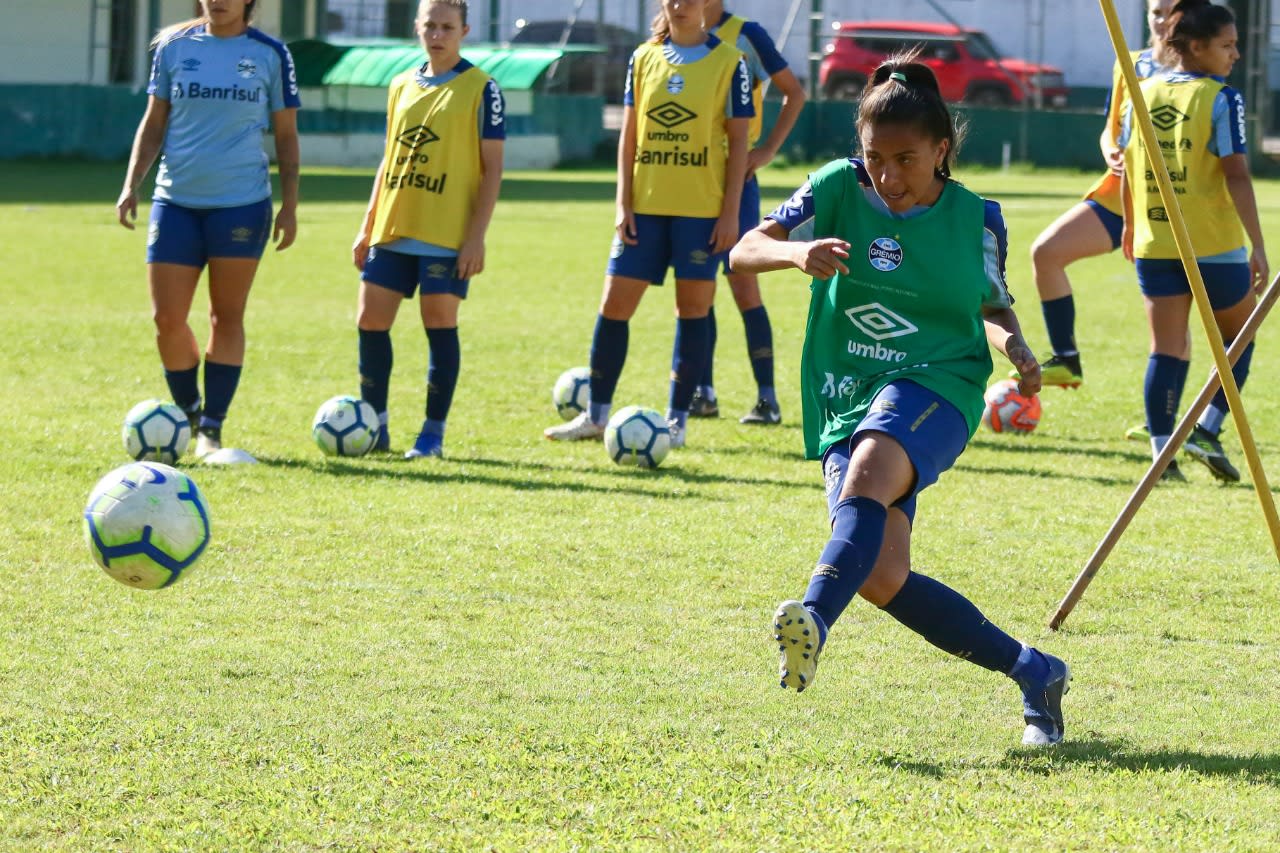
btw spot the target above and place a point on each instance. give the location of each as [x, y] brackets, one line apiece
[169, 322]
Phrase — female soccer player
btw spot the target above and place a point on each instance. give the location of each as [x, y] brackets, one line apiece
[766, 66]
[432, 200]
[908, 291]
[1204, 148]
[682, 155]
[1091, 227]
[216, 83]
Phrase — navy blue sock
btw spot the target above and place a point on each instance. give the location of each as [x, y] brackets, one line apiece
[1240, 371]
[1162, 391]
[708, 380]
[759, 345]
[691, 358]
[442, 371]
[1060, 320]
[857, 532]
[949, 621]
[184, 387]
[608, 355]
[375, 367]
[220, 381]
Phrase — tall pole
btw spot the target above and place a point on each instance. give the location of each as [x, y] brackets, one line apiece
[815, 46]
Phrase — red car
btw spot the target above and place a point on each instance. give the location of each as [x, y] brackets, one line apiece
[968, 66]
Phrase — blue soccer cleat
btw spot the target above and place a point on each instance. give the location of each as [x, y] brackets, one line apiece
[1042, 703]
[428, 444]
[382, 444]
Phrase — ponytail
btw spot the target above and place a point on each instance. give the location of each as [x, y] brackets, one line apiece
[904, 91]
[1191, 21]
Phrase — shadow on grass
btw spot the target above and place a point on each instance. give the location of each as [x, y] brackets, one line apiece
[1108, 755]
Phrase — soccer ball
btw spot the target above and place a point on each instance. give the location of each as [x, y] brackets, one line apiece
[156, 431]
[1007, 410]
[571, 392]
[345, 426]
[146, 523]
[637, 436]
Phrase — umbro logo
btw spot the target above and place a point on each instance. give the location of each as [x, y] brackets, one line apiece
[416, 137]
[671, 114]
[879, 323]
[190, 64]
[1165, 117]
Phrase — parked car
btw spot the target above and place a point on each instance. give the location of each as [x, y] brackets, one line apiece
[607, 70]
[968, 66]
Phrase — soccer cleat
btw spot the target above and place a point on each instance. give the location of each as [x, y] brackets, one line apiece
[676, 432]
[428, 444]
[1061, 370]
[763, 413]
[581, 428]
[796, 630]
[1173, 474]
[193, 417]
[382, 444]
[1138, 433]
[208, 440]
[703, 407]
[1042, 704]
[1205, 447]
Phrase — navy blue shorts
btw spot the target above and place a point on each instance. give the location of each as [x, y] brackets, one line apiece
[931, 430]
[681, 242]
[748, 212]
[405, 273]
[190, 236]
[1113, 222]
[1226, 284]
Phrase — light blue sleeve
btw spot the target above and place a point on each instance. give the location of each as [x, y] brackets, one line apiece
[995, 247]
[1126, 127]
[160, 82]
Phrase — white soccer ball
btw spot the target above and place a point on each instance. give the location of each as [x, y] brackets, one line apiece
[156, 431]
[345, 426]
[572, 391]
[146, 523]
[637, 436]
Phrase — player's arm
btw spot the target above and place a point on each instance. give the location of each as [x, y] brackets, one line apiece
[1005, 335]
[284, 126]
[778, 243]
[793, 100]
[725, 232]
[360, 248]
[624, 222]
[471, 253]
[1235, 169]
[146, 147]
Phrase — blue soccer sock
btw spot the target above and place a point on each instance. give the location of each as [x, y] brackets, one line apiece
[1060, 321]
[691, 358]
[442, 372]
[1214, 416]
[220, 382]
[759, 331]
[1162, 391]
[707, 385]
[375, 367]
[184, 387]
[857, 532]
[950, 621]
[608, 355]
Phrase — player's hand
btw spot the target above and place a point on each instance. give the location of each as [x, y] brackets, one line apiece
[757, 158]
[823, 258]
[624, 223]
[1115, 161]
[470, 259]
[360, 250]
[1024, 361]
[127, 208]
[1126, 241]
[725, 233]
[1259, 270]
[286, 230]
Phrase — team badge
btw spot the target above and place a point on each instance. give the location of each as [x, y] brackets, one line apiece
[616, 248]
[885, 254]
[675, 84]
[246, 68]
[831, 476]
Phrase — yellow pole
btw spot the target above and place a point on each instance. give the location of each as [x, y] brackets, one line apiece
[1142, 122]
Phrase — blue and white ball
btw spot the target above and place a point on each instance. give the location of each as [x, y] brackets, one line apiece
[637, 436]
[146, 523]
[572, 392]
[345, 426]
[156, 431]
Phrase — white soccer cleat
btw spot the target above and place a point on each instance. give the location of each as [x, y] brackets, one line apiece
[677, 434]
[208, 440]
[581, 428]
[228, 456]
[796, 630]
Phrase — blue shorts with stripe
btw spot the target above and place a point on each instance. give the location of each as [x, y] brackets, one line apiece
[1226, 283]
[1114, 223]
[679, 242]
[748, 212]
[190, 236]
[930, 430]
[405, 273]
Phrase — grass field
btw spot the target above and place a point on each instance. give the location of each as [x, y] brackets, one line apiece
[522, 646]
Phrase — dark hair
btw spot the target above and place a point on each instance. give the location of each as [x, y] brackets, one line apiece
[174, 29]
[904, 91]
[1191, 20]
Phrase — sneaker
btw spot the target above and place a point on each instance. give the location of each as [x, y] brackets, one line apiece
[677, 434]
[382, 444]
[579, 429]
[796, 630]
[428, 444]
[764, 413]
[1061, 370]
[1138, 433]
[703, 407]
[1042, 704]
[208, 440]
[1205, 447]
[1173, 474]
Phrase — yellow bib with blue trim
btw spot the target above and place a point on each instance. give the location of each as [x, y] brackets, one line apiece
[1106, 190]
[431, 164]
[729, 32]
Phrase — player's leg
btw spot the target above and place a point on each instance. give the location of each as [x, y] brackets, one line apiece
[440, 320]
[1166, 374]
[694, 297]
[387, 280]
[1084, 231]
[759, 333]
[704, 403]
[175, 257]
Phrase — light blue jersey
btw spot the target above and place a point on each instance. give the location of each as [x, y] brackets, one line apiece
[221, 93]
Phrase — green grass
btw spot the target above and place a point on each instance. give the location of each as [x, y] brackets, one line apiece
[523, 646]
